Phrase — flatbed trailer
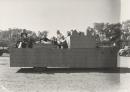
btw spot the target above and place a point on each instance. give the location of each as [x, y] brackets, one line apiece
[69, 58]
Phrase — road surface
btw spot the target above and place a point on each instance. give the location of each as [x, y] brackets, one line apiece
[61, 80]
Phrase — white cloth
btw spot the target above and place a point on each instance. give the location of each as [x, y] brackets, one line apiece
[20, 45]
[68, 41]
[46, 42]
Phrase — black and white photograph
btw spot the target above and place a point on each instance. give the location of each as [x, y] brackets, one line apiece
[64, 46]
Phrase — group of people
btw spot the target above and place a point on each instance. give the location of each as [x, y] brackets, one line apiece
[26, 41]
[63, 42]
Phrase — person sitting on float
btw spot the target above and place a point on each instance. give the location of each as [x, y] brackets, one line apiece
[23, 42]
[31, 40]
[59, 38]
[45, 39]
[54, 40]
[63, 43]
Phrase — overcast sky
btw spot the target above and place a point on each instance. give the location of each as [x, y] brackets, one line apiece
[125, 14]
[51, 15]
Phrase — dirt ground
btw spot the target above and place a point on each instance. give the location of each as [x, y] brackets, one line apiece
[16, 79]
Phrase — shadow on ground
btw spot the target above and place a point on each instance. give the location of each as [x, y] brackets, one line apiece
[72, 70]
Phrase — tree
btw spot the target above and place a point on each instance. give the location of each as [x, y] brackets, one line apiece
[126, 26]
[44, 34]
[99, 27]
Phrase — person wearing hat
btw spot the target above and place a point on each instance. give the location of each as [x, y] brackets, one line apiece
[24, 40]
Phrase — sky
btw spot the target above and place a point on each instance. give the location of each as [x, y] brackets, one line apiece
[51, 15]
[125, 10]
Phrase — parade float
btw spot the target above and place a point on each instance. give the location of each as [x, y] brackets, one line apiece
[83, 53]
